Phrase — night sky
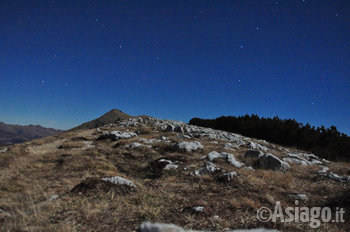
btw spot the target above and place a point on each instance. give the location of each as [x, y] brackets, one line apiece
[66, 62]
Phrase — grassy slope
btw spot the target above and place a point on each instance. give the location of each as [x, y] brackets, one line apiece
[32, 172]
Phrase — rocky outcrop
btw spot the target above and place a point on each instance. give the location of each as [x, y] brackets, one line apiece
[302, 159]
[119, 181]
[115, 135]
[207, 168]
[117, 184]
[256, 146]
[189, 146]
[253, 154]
[226, 156]
[136, 145]
[269, 161]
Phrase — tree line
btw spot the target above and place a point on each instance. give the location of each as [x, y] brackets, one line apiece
[327, 143]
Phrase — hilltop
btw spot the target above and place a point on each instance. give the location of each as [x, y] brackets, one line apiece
[112, 116]
[118, 176]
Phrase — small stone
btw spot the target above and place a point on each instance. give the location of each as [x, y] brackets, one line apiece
[199, 209]
[300, 196]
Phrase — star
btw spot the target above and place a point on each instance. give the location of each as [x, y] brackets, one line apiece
[97, 20]
[257, 28]
[43, 82]
[120, 46]
[241, 46]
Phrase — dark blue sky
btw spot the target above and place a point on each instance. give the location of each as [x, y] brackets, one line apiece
[66, 62]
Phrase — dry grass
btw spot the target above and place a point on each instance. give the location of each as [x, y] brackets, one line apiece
[33, 172]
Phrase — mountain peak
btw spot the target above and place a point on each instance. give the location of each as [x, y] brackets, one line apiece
[111, 116]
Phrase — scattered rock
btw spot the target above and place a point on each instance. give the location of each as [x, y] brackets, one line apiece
[119, 181]
[249, 168]
[155, 168]
[150, 141]
[227, 156]
[295, 161]
[230, 146]
[53, 197]
[198, 209]
[256, 146]
[208, 167]
[169, 164]
[323, 170]
[117, 184]
[135, 145]
[269, 161]
[253, 154]
[227, 176]
[161, 227]
[302, 159]
[300, 196]
[170, 128]
[115, 135]
[335, 177]
[189, 146]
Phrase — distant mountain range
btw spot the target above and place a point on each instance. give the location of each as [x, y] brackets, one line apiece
[10, 134]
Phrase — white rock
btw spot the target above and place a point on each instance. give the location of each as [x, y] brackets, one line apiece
[229, 175]
[227, 156]
[302, 159]
[256, 146]
[161, 227]
[189, 146]
[115, 135]
[119, 181]
[335, 177]
[323, 170]
[208, 167]
[269, 161]
[135, 145]
[53, 197]
[199, 209]
[230, 146]
[150, 141]
[296, 161]
[169, 164]
[2, 150]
